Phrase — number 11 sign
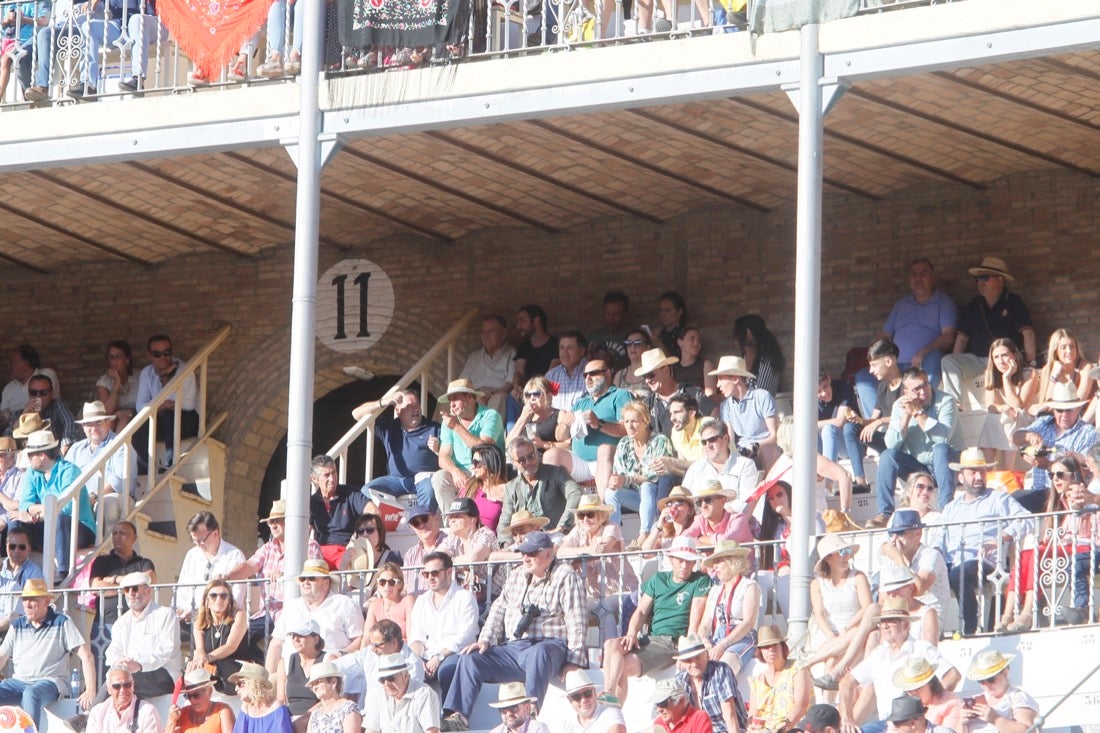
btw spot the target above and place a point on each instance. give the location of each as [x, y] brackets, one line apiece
[354, 305]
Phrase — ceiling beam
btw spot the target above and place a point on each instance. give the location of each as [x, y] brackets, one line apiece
[646, 165]
[450, 190]
[1015, 100]
[747, 152]
[539, 175]
[346, 200]
[65, 231]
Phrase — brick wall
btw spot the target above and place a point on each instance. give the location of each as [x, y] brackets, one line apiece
[725, 261]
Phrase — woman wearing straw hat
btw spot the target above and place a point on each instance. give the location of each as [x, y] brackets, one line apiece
[201, 714]
[1003, 708]
[728, 626]
[333, 713]
[917, 678]
[260, 711]
[633, 482]
[779, 691]
[677, 515]
[606, 577]
[840, 597]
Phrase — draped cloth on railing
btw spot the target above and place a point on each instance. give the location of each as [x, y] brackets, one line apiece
[402, 23]
[211, 32]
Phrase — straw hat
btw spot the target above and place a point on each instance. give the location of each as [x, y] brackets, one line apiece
[592, 503]
[769, 635]
[250, 671]
[8, 445]
[524, 518]
[1063, 396]
[654, 359]
[688, 647]
[314, 569]
[278, 511]
[511, 693]
[732, 366]
[992, 266]
[94, 412]
[988, 664]
[577, 679]
[829, 544]
[36, 588]
[893, 608]
[725, 549]
[134, 580]
[196, 679]
[29, 422]
[914, 673]
[678, 493]
[323, 671]
[974, 458]
[459, 386]
[41, 440]
[713, 489]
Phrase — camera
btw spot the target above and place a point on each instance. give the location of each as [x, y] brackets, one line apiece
[749, 451]
[530, 613]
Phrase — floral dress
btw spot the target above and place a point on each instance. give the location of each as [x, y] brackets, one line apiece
[332, 722]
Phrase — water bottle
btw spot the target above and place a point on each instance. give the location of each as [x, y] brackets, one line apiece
[75, 687]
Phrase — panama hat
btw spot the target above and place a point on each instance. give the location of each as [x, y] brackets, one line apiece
[688, 647]
[592, 503]
[678, 493]
[913, 673]
[323, 671]
[93, 412]
[894, 608]
[524, 518]
[684, 548]
[1063, 396]
[29, 422]
[391, 664]
[511, 693]
[893, 576]
[992, 266]
[769, 635]
[713, 490]
[278, 511]
[971, 458]
[8, 445]
[36, 588]
[732, 366]
[830, 544]
[725, 549]
[988, 664]
[314, 569]
[196, 679]
[654, 359]
[578, 679]
[41, 440]
[459, 386]
[250, 671]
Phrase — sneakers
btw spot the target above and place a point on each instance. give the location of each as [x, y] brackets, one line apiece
[454, 721]
[37, 94]
[272, 67]
[608, 699]
[133, 84]
[878, 521]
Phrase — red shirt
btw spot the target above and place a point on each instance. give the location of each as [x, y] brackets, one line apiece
[696, 721]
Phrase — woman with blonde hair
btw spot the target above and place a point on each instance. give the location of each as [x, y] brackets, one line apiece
[633, 481]
[539, 421]
[728, 626]
[260, 711]
[1065, 365]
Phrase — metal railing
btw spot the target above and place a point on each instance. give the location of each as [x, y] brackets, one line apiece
[420, 371]
[155, 482]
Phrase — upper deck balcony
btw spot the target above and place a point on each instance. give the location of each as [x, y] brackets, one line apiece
[650, 126]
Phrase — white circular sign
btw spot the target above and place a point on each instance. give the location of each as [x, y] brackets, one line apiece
[354, 305]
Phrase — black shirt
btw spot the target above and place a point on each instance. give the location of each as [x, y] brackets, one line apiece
[983, 324]
[334, 524]
[109, 565]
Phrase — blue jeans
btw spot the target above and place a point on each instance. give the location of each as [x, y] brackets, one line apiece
[93, 30]
[642, 499]
[31, 696]
[866, 392]
[893, 463]
[533, 662]
[402, 485]
[144, 30]
[276, 28]
[43, 50]
[827, 444]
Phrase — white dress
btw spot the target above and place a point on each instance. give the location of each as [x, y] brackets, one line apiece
[841, 601]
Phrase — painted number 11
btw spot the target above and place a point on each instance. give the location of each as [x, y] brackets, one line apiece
[362, 280]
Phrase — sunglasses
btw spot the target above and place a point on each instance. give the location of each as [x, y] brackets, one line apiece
[509, 709]
[388, 680]
[193, 695]
[1055, 474]
[581, 695]
[982, 278]
[132, 589]
[664, 704]
[923, 487]
[16, 546]
[38, 392]
[364, 531]
[846, 551]
[418, 522]
[535, 553]
[586, 515]
[122, 686]
[651, 377]
[530, 395]
[633, 342]
[711, 439]
[526, 457]
[218, 596]
[159, 354]
[388, 581]
[708, 500]
[431, 573]
[477, 462]
[595, 373]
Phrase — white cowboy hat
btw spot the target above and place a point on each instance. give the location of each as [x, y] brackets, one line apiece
[654, 359]
[732, 366]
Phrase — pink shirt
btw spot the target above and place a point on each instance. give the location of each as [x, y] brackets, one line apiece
[732, 527]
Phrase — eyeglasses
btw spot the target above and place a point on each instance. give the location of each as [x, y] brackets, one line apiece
[122, 686]
[530, 395]
[1056, 474]
[431, 573]
[201, 541]
[159, 354]
[982, 278]
[388, 680]
[218, 595]
[16, 546]
[527, 457]
[581, 695]
[711, 439]
[586, 515]
[923, 487]
[594, 373]
[38, 392]
[193, 695]
[388, 581]
[633, 342]
[364, 531]
[477, 462]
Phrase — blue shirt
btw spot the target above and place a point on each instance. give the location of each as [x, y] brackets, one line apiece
[719, 686]
[746, 416]
[81, 455]
[940, 427]
[963, 542]
[1078, 439]
[11, 582]
[570, 388]
[407, 452]
[913, 325]
[63, 474]
[607, 407]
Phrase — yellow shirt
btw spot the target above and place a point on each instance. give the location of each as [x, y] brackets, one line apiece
[687, 443]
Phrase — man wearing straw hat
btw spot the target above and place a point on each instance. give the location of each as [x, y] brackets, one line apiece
[710, 685]
[38, 644]
[106, 486]
[874, 676]
[993, 518]
[1062, 430]
[656, 369]
[466, 425]
[400, 703]
[991, 314]
[339, 617]
[590, 713]
[516, 707]
[749, 412]
[539, 488]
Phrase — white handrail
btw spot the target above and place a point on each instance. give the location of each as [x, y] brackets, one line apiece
[419, 370]
[147, 415]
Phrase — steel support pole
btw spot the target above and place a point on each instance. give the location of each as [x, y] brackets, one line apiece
[807, 315]
[299, 429]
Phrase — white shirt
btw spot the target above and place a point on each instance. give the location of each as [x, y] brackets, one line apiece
[928, 560]
[490, 372]
[198, 570]
[417, 711]
[152, 640]
[339, 619]
[739, 475]
[451, 627]
[879, 666]
[606, 716]
[103, 718]
[15, 395]
[149, 385]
